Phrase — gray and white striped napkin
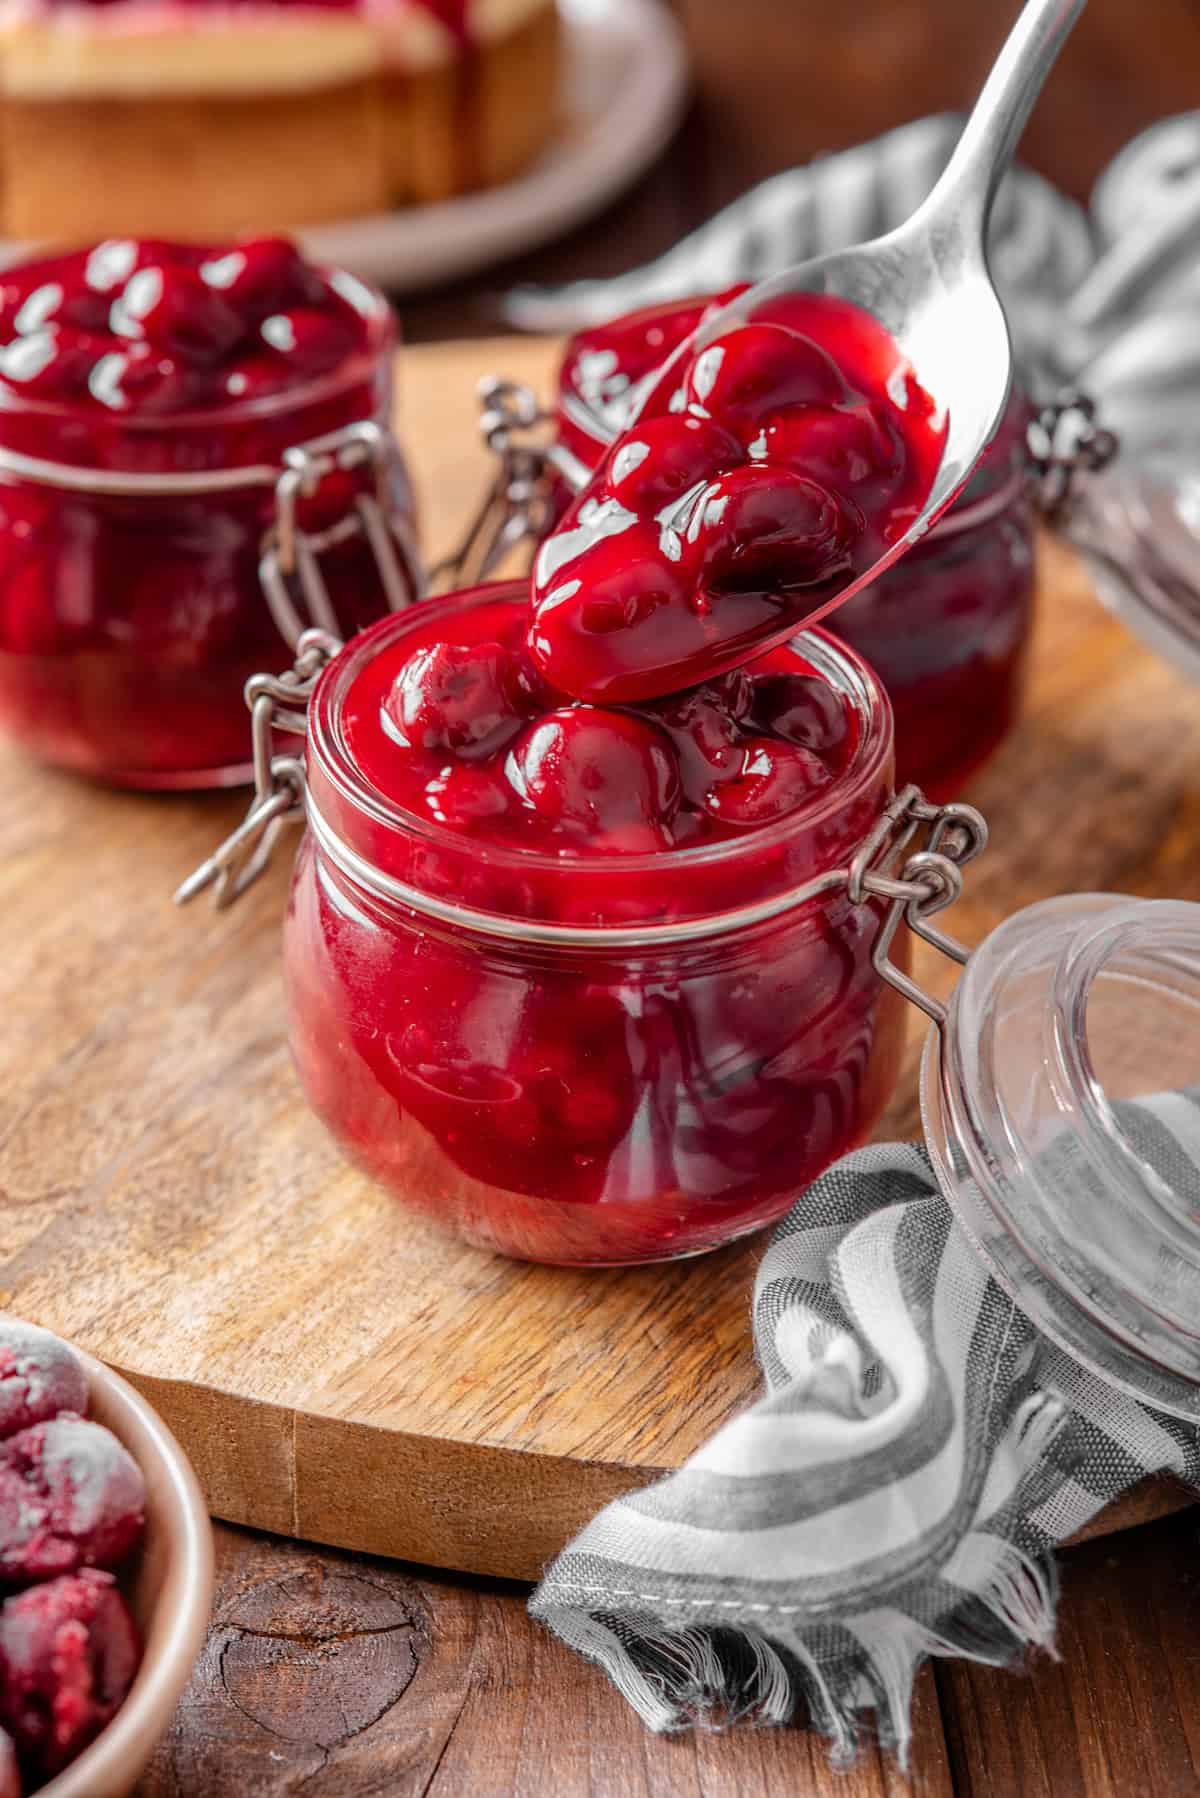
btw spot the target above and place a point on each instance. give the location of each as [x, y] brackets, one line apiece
[1041, 242]
[896, 1492]
[1108, 300]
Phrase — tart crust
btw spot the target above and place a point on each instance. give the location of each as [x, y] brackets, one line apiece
[76, 167]
[193, 166]
[475, 122]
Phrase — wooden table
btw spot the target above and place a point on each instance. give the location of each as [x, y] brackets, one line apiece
[338, 1675]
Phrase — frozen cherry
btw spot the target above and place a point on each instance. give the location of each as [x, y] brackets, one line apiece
[40, 1375]
[462, 698]
[803, 710]
[775, 779]
[599, 773]
[172, 308]
[263, 275]
[661, 460]
[70, 1496]
[68, 1654]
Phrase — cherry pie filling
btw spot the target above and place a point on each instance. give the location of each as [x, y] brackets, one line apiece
[768, 469]
[946, 629]
[129, 623]
[590, 1098]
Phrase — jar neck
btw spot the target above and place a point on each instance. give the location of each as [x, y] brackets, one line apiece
[672, 888]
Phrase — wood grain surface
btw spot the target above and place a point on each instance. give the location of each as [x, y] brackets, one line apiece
[350, 1678]
[337, 1370]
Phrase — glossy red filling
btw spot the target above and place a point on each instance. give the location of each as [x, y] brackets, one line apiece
[454, 724]
[765, 474]
[947, 629]
[136, 329]
[129, 624]
[585, 1100]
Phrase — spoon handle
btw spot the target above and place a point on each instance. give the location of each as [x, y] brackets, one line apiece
[989, 137]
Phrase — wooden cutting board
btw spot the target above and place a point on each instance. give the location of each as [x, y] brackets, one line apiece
[336, 1369]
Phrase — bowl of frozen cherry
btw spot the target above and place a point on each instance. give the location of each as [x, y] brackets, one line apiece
[105, 1572]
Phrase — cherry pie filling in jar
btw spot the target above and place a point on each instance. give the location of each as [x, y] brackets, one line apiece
[946, 629]
[151, 397]
[528, 990]
[588, 951]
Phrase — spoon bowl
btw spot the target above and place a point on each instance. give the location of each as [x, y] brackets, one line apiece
[928, 283]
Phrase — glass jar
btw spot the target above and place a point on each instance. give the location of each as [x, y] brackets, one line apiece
[1061, 1101]
[648, 1084]
[131, 607]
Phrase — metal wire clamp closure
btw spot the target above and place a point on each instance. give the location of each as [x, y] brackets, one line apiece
[929, 881]
[289, 568]
[1066, 444]
[288, 562]
[518, 506]
[1064, 441]
[277, 702]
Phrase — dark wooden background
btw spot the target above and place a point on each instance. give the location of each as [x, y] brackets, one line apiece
[779, 81]
[343, 1677]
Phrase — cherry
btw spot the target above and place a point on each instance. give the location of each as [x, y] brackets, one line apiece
[755, 369]
[49, 364]
[263, 275]
[465, 699]
[666, 457]
[706, 738]
[840, 447]
[313, 341]
[801, 709]
[769, 527]
[651, 582]
[142, 378]
[775, 779]
[50, 303]
[599, 773]
[465, 796]
[170, 307]
[603, 364]
[255, 377]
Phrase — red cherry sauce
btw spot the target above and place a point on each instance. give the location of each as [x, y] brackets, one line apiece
[130, 623]
[947, 629]
[599, 1101]
[763, 476]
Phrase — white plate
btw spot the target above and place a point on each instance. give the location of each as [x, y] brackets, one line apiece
[626, 82]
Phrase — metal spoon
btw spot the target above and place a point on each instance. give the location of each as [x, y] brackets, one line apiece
[927, 281]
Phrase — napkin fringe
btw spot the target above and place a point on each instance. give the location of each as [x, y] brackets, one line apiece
[711, 1677]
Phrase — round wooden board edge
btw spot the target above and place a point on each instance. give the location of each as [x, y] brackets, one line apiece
[434, 1501]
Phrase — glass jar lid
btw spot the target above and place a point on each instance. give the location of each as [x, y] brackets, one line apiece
[1062, 1111]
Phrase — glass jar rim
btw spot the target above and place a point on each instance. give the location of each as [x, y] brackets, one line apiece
[834, 659]
[382, 338]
